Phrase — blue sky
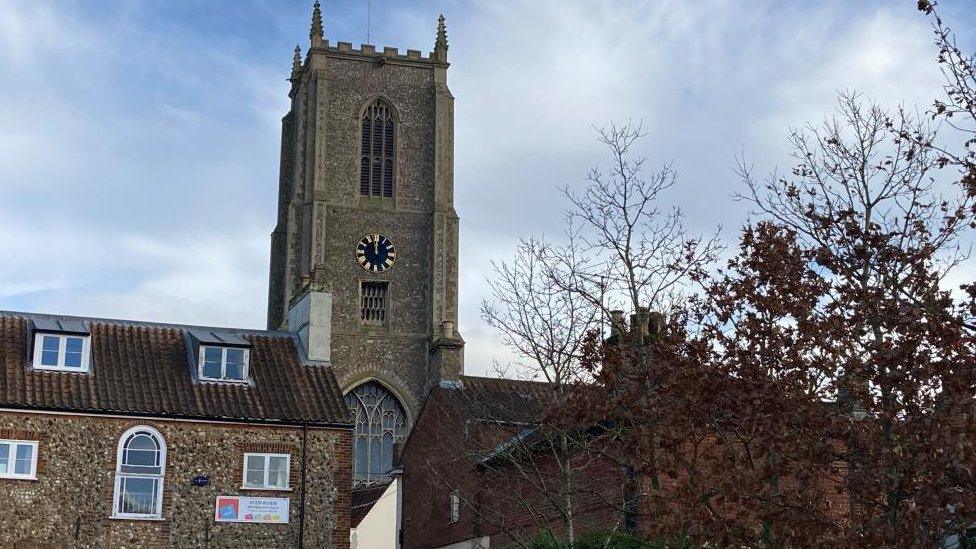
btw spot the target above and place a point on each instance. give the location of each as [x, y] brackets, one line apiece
[139, 139]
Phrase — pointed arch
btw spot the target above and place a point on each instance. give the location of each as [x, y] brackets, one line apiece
[377, 157]
[381, 424]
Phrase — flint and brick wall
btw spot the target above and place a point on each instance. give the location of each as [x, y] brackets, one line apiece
[70, 503]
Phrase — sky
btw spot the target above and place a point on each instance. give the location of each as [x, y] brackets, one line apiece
[139, 140]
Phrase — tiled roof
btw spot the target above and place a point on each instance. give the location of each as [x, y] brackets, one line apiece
[497, 399]
[145, 369]
[363, 499]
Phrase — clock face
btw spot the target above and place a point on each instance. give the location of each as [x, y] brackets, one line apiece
[375, 253]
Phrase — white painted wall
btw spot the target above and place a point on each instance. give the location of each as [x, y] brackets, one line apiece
[379, 527]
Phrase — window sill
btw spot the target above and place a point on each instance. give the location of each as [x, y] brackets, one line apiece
[28, 479]
[63, 370]
[266, 489]
[136, 518]
[225, 381]
[386, 203]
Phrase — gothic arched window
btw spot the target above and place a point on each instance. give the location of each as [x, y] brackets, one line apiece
[378, 157]
[380, 423]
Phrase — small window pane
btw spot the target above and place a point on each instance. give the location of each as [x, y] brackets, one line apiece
[4, 458]
[141, 450]
[211, 370]
[138, 496]
[212, 354]
[25, 455]
[49, 350]
[235, 364]
[254, 476]
[141, 455]
[211, 362]
[362, 458]
[376, 465]
[72, 352]
[278, 471]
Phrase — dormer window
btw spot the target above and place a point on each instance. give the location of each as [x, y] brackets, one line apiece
[61, 346]
[223, 363]
[220, 355]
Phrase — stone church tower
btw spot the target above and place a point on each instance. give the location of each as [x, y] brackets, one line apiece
[364, 258]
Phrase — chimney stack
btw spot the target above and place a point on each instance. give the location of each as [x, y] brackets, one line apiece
[638, 323]
[310, 316]
[618, 326]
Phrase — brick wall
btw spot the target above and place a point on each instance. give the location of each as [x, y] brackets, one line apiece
[70, 503]
[444, 447]
[501, 503]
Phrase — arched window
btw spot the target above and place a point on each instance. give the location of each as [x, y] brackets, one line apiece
[380, 423]
[140, 467]
[379, 150]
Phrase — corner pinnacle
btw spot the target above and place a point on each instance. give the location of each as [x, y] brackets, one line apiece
[316, 35]
[296, 64]
[440, 45]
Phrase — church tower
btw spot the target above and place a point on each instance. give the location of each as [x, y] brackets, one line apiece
[364, 256]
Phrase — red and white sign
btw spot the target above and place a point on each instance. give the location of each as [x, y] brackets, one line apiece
[243, 509]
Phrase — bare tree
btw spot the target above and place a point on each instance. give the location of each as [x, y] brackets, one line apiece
[862, 194]
[539, 322]
[623, 250]
[958, 107]
[544, 325]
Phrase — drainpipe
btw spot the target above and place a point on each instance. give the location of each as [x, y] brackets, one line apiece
[301, 505]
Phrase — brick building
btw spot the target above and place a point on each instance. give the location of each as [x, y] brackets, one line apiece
[469, 482]
[482, 469]
[116, 433]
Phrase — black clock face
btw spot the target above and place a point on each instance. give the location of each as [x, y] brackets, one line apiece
[375, 253]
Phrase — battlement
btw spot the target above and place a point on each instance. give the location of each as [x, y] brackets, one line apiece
[366, 52]
[369, 51]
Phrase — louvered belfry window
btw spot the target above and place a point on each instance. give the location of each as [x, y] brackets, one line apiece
[373, 310]
[379, 150]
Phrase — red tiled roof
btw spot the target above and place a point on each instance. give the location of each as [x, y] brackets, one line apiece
[498, 399]
[144, 369]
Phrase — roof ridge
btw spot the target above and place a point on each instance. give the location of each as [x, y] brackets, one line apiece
[501, 380]
[143, 323]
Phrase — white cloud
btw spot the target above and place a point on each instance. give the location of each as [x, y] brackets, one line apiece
[138, 146]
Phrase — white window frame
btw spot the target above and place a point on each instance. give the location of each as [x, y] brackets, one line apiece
[223, 364]
[119, 475]
[267, 469]
[12, 459]
[62, 344]
[455, 506]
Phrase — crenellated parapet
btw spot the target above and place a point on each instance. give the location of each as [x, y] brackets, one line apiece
[385, 54]
[368, 52]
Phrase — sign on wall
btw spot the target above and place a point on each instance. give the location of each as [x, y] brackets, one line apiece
[242, 509]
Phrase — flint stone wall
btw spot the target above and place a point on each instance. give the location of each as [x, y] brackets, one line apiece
[70, 503]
